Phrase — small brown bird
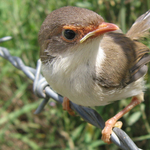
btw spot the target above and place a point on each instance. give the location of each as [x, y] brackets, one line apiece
[90, 65]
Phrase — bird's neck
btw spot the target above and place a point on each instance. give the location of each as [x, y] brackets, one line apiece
[88, 53]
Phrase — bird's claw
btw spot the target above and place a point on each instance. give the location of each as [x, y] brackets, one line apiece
[106, 132]
[66, 106]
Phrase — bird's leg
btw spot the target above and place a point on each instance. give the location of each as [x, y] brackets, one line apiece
[109, 124]
[66, 106]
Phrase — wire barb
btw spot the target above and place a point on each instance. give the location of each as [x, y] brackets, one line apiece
[42, 89]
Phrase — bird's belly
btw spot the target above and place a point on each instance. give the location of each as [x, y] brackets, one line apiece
[82, 90]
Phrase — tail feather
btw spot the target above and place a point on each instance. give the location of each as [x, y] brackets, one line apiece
[140, 28]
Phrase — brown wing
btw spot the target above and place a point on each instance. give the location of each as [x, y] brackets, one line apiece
[140, 68]
[125, 61]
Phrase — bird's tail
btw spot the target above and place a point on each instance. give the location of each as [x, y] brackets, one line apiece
[140, 28]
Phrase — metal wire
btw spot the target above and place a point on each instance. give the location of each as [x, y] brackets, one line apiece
[42, 89]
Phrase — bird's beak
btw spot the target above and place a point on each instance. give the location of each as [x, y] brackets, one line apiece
[102, 28]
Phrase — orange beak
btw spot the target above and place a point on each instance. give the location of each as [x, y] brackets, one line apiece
[102, 28]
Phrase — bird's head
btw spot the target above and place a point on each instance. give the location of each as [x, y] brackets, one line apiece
[69, 26]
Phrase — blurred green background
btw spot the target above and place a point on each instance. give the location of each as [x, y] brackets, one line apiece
[20, 129]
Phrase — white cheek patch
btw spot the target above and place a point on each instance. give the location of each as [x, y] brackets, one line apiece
[100, 59]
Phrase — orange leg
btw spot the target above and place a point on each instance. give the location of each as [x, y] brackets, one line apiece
[66, 106]
[109, 124]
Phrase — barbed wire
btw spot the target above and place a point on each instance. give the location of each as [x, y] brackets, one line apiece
[42, 89]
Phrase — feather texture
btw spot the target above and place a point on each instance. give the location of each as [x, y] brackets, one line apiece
[140, 28]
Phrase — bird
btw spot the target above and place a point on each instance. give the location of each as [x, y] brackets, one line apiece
[91, 62]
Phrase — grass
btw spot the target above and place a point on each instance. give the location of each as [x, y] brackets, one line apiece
[20, 129]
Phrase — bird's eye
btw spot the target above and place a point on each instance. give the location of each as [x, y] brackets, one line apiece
[69, 34]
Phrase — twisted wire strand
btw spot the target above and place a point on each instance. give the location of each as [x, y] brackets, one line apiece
[42, 89]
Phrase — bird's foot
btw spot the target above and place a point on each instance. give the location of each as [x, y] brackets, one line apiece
[106, 132]
[109, 124]
[66, 106]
